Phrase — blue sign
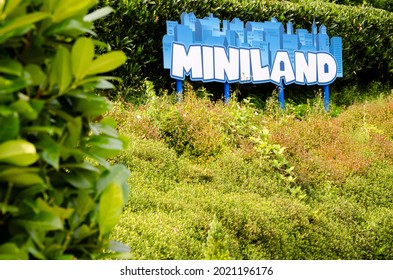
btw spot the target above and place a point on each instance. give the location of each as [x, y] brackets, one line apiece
[209, 50]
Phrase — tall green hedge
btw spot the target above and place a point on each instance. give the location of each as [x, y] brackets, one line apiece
[137, 28]
[59, 197]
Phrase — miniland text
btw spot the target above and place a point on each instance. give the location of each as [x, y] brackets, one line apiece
[215, 63]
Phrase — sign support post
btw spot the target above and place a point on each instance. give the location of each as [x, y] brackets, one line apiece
[227, 92]
[179, 90]
[281, 99]
[326, 98]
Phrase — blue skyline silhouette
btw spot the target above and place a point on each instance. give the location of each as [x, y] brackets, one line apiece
[269, 37]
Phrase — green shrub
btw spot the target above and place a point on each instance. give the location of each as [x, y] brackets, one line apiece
[137, 28]
[217, 247]
[59, 197]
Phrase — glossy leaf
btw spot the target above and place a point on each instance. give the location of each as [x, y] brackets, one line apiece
[71, 8]
[9, 124]
[90, 104]
[117, 173]
[21, 177]
[18, 152]
[110, 208]
[36, 74]
[105, 146]
[80, 179]
[74, 127]
[62, 69]
[84, 204]
[83, 232]
[5, 208]
[106, 128]
[11, 67]
[70, 27]
[50, 151]
[107, 62]
[10, 251]
[12, 85]
[22, 21]
[10, 7]
[82, 55]
[97, 14]
[44, 221]
[24, 108]
[61, 212]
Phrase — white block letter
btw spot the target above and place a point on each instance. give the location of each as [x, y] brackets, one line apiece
[226, 66]
[208, 63]
[259, 73]
[282, 68]
[327, 68]
[184, 63]
[306, 71]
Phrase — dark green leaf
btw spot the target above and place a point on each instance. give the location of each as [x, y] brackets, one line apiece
[43, 221]
[83, 232]
[50, 151]
[10, 251]
[90, 104]
[24, 108]
[9, 124]
[21, 177]
[74, 127]
[70, 27]
[84, 204]
[117, 173]
[81, 179]
[11, 67]
[104, 146]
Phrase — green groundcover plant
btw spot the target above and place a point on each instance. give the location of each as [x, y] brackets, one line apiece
[59, 197]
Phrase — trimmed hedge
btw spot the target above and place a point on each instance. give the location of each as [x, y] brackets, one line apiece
[137, 28]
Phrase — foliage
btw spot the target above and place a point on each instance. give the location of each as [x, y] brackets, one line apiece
[138, 26]
[59, 197]
[217, 247]
[331, 198]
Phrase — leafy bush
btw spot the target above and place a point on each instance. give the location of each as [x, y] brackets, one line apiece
[138, 26]
[245, 202]
[321, 147]
[59, 197]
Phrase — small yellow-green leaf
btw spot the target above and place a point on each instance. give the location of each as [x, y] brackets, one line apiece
[36, 74]
[62, 69]
[71, 8]
[110, 207]
[43, 221]
[18, 152]
[22, 21]
[107, 62]
[82, 55]
[9, 251]
[11, 67]
[10, 7]
[21, 177]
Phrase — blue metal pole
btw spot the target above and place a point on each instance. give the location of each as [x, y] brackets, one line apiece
[281, 99]
[326, 98]
[227, 92]
[179, 90]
